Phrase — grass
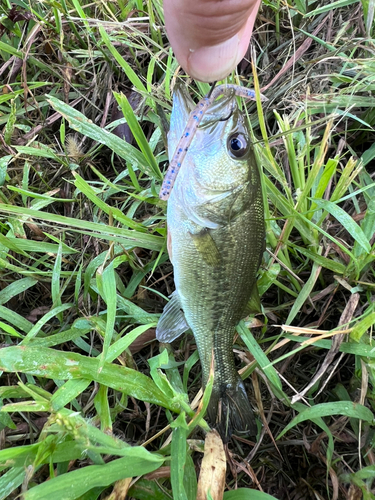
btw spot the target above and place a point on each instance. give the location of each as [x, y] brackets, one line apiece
[91, 409]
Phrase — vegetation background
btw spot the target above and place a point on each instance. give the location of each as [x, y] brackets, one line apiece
[92, 408]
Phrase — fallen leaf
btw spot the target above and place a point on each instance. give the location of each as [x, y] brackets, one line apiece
[213, 468]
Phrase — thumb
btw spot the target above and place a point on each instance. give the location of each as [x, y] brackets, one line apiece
[210, 37]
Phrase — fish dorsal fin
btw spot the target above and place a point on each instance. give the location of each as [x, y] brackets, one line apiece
[206, 247]
[172, 322]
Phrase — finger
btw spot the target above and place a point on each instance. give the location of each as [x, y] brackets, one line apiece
[210, 37]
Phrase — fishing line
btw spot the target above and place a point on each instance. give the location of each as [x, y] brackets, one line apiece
[211, 89]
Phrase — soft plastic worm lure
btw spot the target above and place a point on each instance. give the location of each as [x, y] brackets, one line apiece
[192, 124]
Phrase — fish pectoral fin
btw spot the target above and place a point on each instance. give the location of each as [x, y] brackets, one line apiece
[172, 322]
[206, 247]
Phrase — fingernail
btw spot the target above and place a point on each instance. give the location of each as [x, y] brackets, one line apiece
[209, 64]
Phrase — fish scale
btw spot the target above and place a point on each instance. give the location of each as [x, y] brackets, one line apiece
[216, 241]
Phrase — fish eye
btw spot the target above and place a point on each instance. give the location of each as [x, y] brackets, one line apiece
[238, 145]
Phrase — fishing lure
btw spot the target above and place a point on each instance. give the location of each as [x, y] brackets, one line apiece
[193, 122]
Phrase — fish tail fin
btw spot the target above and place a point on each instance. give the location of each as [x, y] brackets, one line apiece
[229, 410]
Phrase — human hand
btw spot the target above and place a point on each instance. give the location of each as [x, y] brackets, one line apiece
[210, 37]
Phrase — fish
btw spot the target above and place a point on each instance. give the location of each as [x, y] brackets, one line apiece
[216, 236]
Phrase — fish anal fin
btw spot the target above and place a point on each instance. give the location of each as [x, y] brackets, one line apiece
[172, 322]
[206, 247]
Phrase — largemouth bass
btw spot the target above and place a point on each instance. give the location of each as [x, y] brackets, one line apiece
[215, 243]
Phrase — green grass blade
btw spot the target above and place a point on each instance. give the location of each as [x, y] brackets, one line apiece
[368, 155]
[9, 330]
[178, 456]
[108, 282]
[78, 329]
[136, 312]
[55, 282]
[149, 490]
[22, 456]
[72, 485]
[10, 481]
[67, 393]
[117, 214]
[42, 151]
[84, 126]
[347, 222]
[362, 326]
[101, 403]
[44, 319]
[247, 494]
[190, 479]
[331, 6]
[130, 73]
[128, 237]
[262, 360]
[81, 14]
[303, 295]
[8, 49]
[120, 345]
[49, 363]
[40, 246]
[325, 262]
[347, 408]
[16, 288]
[139, 136]
[15, 319]
[366, 473]
[12, 245]
[4, 161]
[368, 227]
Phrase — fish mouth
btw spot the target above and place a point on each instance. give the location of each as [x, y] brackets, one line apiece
[226, 118]
[221, 110]
[219, 121]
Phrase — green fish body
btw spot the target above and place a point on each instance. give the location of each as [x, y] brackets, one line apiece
[215, 243]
